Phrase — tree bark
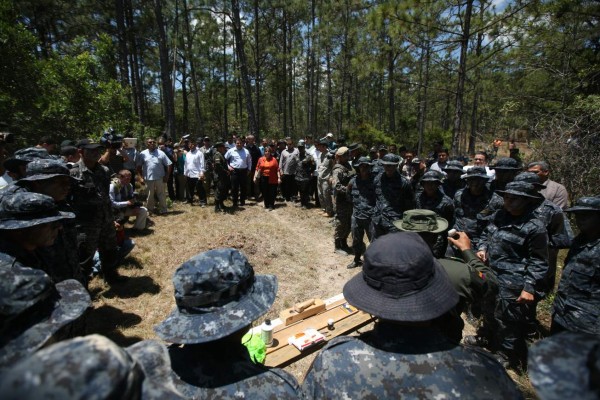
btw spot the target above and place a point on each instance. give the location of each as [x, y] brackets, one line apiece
[167, 89]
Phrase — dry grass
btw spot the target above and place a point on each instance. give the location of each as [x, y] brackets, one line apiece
[294, 244]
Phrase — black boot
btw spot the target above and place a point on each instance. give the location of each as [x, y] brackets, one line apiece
[345, 247]
[355, 263]
[217, 207]
[339, 247]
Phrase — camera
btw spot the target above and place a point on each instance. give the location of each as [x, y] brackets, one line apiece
[7, 137]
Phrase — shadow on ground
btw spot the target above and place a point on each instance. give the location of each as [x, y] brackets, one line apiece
[132, 287]
[109, 321]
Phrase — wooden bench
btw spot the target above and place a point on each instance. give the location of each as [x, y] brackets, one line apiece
[346, 319]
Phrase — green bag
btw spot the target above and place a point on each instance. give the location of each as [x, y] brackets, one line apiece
[256, 347]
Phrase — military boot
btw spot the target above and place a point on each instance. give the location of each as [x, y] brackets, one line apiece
[339, 247]
[345, 247]
[355, 263]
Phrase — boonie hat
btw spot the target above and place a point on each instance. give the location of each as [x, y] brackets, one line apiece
[341, 151]
[217, 294]
[88, 144]
[31, 153]
[33, 309]
[92, 367]
[586, 204]
[522, 189]
[529, 177]
[566, 366]
[383, 147]
[453, 165]
[431, 176]
[475, 172]
[390, 159]
[363, 161]
[353, 146]
[508, 164]
[45, 169]
[401, 281]
[25, 209]
[420, 220]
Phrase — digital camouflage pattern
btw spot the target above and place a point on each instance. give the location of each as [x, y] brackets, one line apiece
[90, 367]
[221, 176]
[24, 209]
[32, 153]
[362, 192]
[473, 213]
[217, 294]
[566, 366]
[340, 177]
[33, 309]
[393, 196]
[577, 300]
[400, 362]
[43, 169]
[221, 370]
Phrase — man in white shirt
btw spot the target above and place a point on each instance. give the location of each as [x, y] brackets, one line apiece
[193, 169]
[239, 162]
[154, 168]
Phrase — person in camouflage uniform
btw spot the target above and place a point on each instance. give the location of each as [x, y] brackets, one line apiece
[403, 286]
[506, 169]
[566, 366]
[340, 178]
[221, 177]
[305, 165]
[94, 214]
[29, 222]
[34, 310]
[560, 234]
[452, 183]
[92, 367]
[323, 183]
[475, 205]
[516, 245]
[51, 177]
[470, 277]
[362, 191]
[433, 198]
[577, 300]
[394, 195]
[218, 297]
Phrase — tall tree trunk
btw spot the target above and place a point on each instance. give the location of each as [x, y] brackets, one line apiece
[167, 89]
[243, 65]
[122, 43]
[462, 73]
[284, 73]
[329, 88]
[391, 92]
[185, 104]
[477, 89]
[189, 40]
[424, 85]
[135, 66]
[290, 78]
[225, 96]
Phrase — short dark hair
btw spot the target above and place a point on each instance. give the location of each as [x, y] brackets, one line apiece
[483, 153]
[47, 140]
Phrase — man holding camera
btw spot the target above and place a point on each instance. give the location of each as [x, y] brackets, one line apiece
[122, 198]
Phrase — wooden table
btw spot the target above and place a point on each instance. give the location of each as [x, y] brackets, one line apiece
[346, 318]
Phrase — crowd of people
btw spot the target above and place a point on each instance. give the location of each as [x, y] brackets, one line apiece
[444, 238]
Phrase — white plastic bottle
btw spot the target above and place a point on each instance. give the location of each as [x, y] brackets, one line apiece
[266, 332]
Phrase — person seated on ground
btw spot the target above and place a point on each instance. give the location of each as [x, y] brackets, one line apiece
[405, 288]
[34, 311]
[28, 223]
[92, 367]
[470, 277]
[566, 366]
[577, 300]
[122, 198]
[218, 297]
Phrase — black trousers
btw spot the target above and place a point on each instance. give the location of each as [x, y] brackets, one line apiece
[238, 185]
[288, 187]
[269, 191]
[192, 187]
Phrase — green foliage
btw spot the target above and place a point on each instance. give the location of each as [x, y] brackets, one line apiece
[367, 135]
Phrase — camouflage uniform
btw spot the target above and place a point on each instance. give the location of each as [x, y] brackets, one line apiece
[443, 206]
[392, 362]
[209, 156]
[340, 176]
[304, 169]
[92, 367]
[225, 371]
[517, 250]
[472, 213]
[221, 177]
[577, 300]
[363, 205]
[218, 296]
[95, 221]
[394, 196]
[324, 185]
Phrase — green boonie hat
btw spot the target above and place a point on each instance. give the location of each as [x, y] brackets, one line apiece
[586, 204]
[421, 221]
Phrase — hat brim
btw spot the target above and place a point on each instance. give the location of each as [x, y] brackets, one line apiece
[186, 328]
[507, 168]
[18, 223]
[520, 194]
[432, 301]
[74, 300]
[41, 177]
[389, 163]
[581, 208]
[442, 226]
[154, 359]
[370, 164]
[467, 177]
[453, 169]
[431, 180]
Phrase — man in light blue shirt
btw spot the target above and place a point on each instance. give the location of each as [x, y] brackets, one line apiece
[154, 168]
[239, 162]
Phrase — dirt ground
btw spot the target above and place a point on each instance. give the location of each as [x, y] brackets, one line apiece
[295, 245]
